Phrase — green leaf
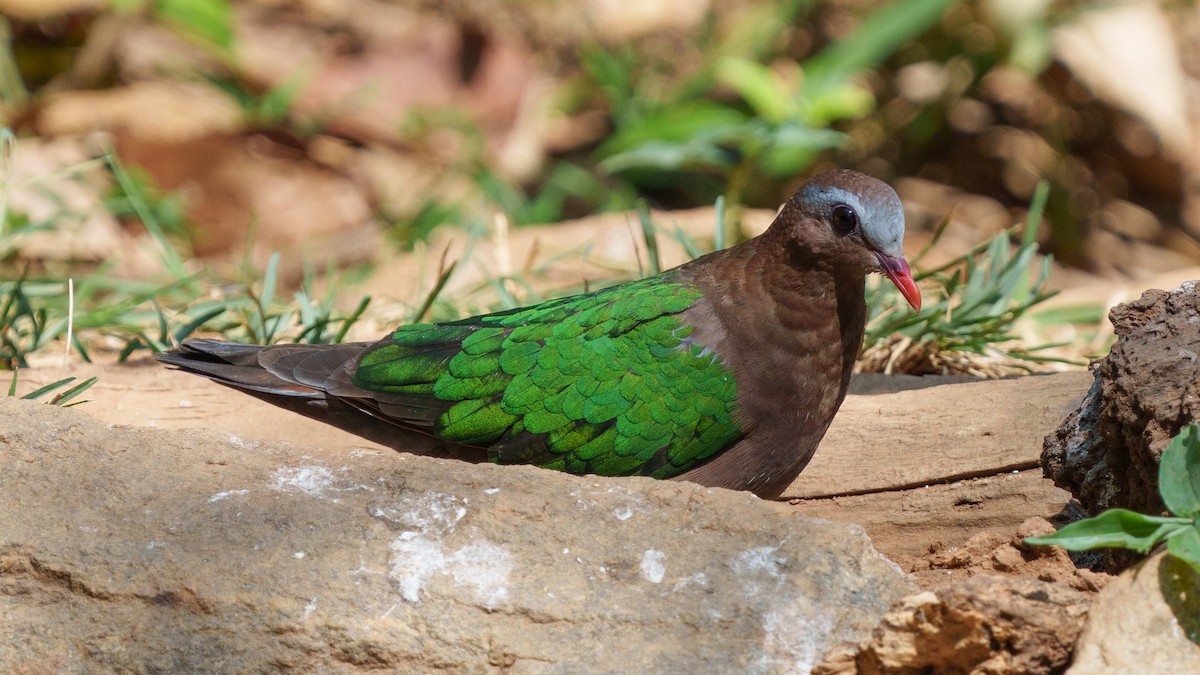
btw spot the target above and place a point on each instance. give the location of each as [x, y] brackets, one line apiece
[208, 20]
[756, 84]
[877, 37]
[277, 103]
[612, 72]
[1115, 528]
[791, 148]
[845, 102]
[1186, 546]
[679, 123]
[666, 156]
[1179, 473]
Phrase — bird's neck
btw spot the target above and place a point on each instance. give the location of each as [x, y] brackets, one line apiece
[789, 325]
[787, 304]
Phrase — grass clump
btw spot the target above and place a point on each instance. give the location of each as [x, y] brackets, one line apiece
[973, 303]
[91, 307]
[63, 398]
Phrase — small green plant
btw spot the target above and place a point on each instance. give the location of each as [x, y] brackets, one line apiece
[208, 23]
[1179, 485]
[561, 190]
[100, 308]
[972, 303]
[261, 318]
[778, 124]
[62, 398]
[269, 108]
[24, 327]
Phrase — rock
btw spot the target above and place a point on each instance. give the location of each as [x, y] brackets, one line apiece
[902, 492]
[980, 625]
[913, 526]
[912, 438]
[892, 433]
[1006, 554]
[1106, 452]
[925, 469]
[1145, 621]
[152, 550]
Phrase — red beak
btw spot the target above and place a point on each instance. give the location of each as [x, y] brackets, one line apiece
[896, 269]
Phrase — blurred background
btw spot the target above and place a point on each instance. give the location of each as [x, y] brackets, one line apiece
[321, 170]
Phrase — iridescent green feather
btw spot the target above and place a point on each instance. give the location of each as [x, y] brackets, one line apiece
[603, 383]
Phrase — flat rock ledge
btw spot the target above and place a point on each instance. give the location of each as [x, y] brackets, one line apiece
[127, 549]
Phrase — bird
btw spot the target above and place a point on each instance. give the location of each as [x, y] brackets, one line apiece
[725, 371]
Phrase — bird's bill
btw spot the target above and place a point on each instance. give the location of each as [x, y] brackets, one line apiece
[896, 269]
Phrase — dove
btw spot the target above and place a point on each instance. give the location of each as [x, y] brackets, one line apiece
[725, 371]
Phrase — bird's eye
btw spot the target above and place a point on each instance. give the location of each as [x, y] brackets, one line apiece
[845, 220]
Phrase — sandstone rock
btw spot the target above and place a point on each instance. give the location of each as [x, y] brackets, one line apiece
[966, 520]
[925, 470]
[939, 434]
[151, 550]
[877, 467]
[1145, 621]
[1144, 392]
[892, 433]
[1006, 554]
[981, 625]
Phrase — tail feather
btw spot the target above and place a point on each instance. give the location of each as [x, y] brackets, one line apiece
[317, 382]
[233, 365]
[310, 365]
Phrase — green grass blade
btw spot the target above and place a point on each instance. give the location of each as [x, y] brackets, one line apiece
[269, 280]
[145, 214]
[650, 236]
[8, 147]
[80, 348]
[1037, 207]
[690, 247]
[66, 396]
[434, 292]
[719, 232]
[41, 391]
[192, 326]
[352, 319]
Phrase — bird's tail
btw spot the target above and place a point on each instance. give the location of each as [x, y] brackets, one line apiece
[315, 381]
[296, 377]
[299, 371]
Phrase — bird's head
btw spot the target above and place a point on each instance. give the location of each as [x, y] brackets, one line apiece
[857, 220]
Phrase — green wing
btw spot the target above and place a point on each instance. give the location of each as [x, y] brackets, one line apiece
[603, 383]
